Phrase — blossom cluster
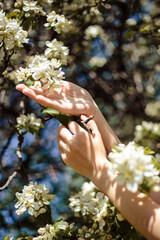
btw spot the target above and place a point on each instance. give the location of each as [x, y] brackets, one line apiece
[11, 33]
[153, 109]
[56, 49]
[96, 31]
[41, 72]
[30, 8]
[135, 167]
[29, 122]
[92, 204]
[6, 4]
[58, 22]
[50, 232]
[147, 131]
[97, 61]
[33, 198]
[91, 232]
[88, 202]
[93, 31]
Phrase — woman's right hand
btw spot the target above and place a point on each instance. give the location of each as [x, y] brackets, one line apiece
[68, 99]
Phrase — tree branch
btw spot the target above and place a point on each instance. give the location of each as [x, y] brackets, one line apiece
[9, 181]
[21, 169]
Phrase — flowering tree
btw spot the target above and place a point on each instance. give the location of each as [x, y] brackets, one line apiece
[110, 48]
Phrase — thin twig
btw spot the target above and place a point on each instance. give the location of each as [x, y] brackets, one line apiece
[9, 181]
[84, 123]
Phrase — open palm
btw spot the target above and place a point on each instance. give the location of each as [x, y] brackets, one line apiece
[69, 99]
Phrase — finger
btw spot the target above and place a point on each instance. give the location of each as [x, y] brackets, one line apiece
[38, 90]
[26, 91]
[63, 155]
[42, 100]
[65, 134]
[21, 87]
[45, 92]
[30, 93]
[63, 147]
[75, 127]
[46, 101]
[91, 123]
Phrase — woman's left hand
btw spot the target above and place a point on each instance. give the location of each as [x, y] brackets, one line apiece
[82, 151]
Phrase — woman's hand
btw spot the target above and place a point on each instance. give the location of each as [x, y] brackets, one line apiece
[69, 99]
[82, 151]
[74, 100]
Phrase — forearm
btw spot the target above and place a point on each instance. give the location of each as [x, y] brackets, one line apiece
[109, 137]
[140, 210]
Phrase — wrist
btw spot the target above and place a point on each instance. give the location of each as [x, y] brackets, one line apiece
[110, 139]
[100, 177]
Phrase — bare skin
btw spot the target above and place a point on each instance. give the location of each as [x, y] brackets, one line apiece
[74, 100]
[141, 211]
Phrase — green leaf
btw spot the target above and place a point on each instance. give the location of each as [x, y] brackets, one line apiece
[29, 83]
[146, 29]
[57, 224]
[6, 238]
[12, 14]
[50, 111]
[147, 150]
[116, 221]
[129, 34]
[64, 119]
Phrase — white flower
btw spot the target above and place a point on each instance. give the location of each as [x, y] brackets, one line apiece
[133, 166]
[49, 231]
[59, 22]
[42, 72]
[22, 74]
[93, 31]
[97, 61]
[153, 109]
[33, 198]
[90, 202]
[30, 122]
[29, 5]
[131, 22]
[46, 71]
[147, 130]
[21, 121]
[11, 32]
[32, 6]
[57, 50]
[2, 20]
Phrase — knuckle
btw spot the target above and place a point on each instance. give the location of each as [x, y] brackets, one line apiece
[82, 134]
